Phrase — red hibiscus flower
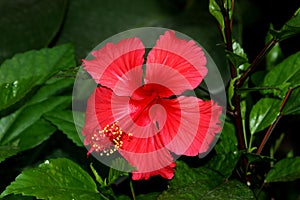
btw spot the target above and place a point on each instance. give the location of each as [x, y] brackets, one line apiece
[141, 112]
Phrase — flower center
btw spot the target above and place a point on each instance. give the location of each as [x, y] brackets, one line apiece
[108, 140]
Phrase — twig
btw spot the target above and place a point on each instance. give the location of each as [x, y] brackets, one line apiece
[236, 98]
[255, 62]
[273, 125]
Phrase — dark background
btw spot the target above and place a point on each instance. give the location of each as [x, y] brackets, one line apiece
[34, 24]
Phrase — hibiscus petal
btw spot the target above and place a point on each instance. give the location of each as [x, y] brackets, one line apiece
[166, 172]
[121, 62]
[208, 129]
[149, 157]
[191, 125]
[142, 150]
[101, 96]
[105, 108]
[175, 63]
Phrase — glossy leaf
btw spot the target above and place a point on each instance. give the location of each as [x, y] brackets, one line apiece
[26, 117]
[20, 130]
[53, 87]
[19, 75]
[237, 60]
[98, 177]
[263, 114]
[203, 183]
[238, 57]
[275, 55]
[288, 71]
[215, 10]
[30, 24]
[63, 120]
[12, 92]
[55, 179]
[230, 92]
[287, 169]
[289, 29]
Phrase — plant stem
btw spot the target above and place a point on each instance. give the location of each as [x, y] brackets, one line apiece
[132, 190]
[236, 98]
[255, 62]
[273, 125]
[267, 135]
[238, 121]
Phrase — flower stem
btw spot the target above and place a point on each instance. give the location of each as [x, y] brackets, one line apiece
[132, 190]
[273, 125]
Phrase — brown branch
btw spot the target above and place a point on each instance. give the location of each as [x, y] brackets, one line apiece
[236, 98]
[255, 62]
[273, 125]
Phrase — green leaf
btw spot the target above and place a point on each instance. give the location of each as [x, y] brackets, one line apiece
[53, 87]
[233, 190]
[292, 106]
[30, 24]
[227, 142]
[231, 89]
[29, 115]
[258, 158]
[98, 177]
[227, 152]
[238, 57]
[203, 183]
[263, 114]
[288, 71]
[257, 78]
[237, 61]
[27, 118]
[224, 163]
[63, 120]
[30, 137]
[184, 175]
[275, 55]
[12, 92]
[55, 179]
[20, 130]
[19, 75]
[289, 29]
[215, 11]
[123, 168]
[148, 196]
[17, 197]
[287, 169]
